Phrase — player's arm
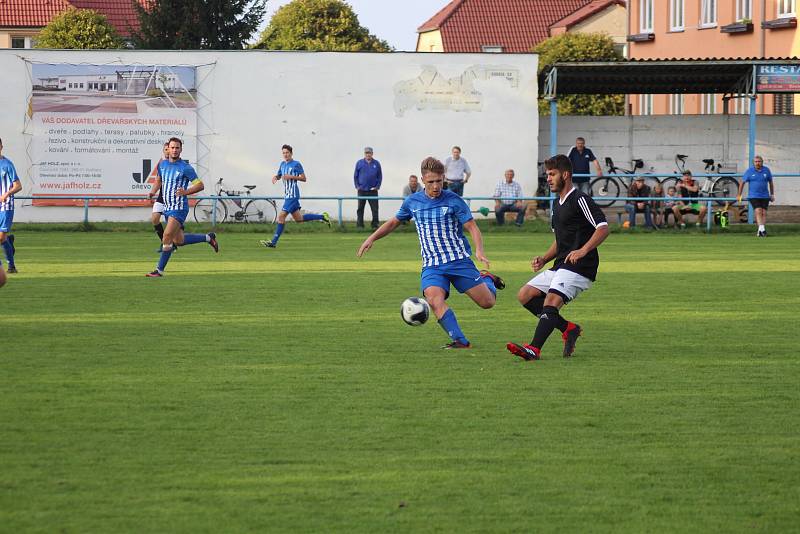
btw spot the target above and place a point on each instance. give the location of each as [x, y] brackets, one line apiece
[156, 187]
[467, 171]
[15, 188]
[196, 187]
[771, 188]
[595, 216]
[477, 239]
[383, 230]
[741, 189]
[598, 167]
[540, 261]
[299, 178]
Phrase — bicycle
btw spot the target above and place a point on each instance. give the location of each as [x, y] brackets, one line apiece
[605, 189]
[241, 209]
[722, 186]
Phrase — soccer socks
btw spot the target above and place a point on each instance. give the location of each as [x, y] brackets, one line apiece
[549, 320]
[278, 232]
[449, 324]
[191, 239]
[8, 248]
[490, 284]
[159, 228]
[162, 261]
[535, 305]
[312, 217]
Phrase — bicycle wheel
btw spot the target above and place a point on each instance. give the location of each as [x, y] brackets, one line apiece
[668, 182]
[725, 187]
[604, 190]
[260, 211]
[204, 211]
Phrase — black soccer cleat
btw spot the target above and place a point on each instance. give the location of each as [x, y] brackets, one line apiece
[498, 282]
[457, 345]
[213, 241]
[12, 269]
[570, 337]
[526, 352]
[154, 274]
[268, 244]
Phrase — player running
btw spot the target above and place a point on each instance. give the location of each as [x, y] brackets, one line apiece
[291, 172]
[440, 217]
[158, 205]
[9, 185]
[580, 226]
[178, 180]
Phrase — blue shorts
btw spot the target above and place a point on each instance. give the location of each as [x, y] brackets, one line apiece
[6, 220]
[461, 273]
[178, 215]
[291, 205]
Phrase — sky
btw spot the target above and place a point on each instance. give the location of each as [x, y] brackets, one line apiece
[395, 21]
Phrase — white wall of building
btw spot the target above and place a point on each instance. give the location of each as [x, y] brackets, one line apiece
[328, 106]
[657, 138]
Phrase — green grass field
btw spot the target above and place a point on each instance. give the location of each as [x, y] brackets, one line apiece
[278, 390]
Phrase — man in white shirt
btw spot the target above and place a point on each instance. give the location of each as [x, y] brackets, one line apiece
[505, 193]
[456, 172]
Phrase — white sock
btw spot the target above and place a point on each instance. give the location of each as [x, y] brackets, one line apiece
[208, 238]
[761, 228]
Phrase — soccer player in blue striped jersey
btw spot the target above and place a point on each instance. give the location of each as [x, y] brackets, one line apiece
[291, 172]
[441, 217]
[177, 180]
[9, 185]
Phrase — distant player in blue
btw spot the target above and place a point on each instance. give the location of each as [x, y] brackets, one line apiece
[9, 184]
[760, 192]
[291, 172]
[177, 180]
[441, 216]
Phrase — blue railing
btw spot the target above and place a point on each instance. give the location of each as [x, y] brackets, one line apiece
[87, 199]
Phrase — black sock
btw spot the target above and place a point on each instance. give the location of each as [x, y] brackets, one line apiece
[535, 305]
[159, 228]
[549, 320]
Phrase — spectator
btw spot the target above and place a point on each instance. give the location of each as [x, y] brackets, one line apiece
[456, 172]
[657, 206]
[413, 186]
[760, 191]
[581, 156]
[505, 193]
[670, 199]
[688, 189]
[638, 189]
[367, 179]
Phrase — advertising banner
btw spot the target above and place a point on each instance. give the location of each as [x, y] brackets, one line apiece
[99, 129]
[778, 78]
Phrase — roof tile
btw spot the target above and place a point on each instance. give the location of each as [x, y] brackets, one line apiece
[38, 13]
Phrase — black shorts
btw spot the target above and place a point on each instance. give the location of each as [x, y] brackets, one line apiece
[760, 203]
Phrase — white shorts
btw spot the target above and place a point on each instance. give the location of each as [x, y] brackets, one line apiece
[158, 207]
[564, 282]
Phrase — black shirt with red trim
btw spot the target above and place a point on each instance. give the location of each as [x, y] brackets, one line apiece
[574, 221]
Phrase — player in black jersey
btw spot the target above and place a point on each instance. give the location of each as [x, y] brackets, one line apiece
[580, 226]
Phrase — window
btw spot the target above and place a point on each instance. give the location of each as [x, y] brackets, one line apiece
[708, 104]
[744, 10]
[22, 42]
[492, 49]
[708, 13]
[676, 15]
[646, 16]
[676, 104]
[645, 104]
[786, 8]
[783, 104]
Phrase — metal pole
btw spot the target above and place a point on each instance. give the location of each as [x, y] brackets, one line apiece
[341, 221]
[553, 127]
[751, 144]
[86, 211]
[709, 216]
[213, 213]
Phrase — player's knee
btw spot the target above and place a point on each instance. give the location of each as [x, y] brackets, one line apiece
[487, 302]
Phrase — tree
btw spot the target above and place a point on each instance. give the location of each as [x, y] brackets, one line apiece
[197, 24]
[79, 28]
[320, 25]
[580, 47]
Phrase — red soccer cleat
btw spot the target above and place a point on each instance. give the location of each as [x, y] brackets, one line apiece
[570, 337]
[526, 352]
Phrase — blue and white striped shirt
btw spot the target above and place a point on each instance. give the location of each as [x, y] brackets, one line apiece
[8, 175]
[173, 177]
[290, 168]
[439, 224]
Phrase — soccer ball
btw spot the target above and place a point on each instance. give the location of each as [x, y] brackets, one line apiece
[415, 311]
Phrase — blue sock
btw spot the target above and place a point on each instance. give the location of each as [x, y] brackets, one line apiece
[162, 261]
[191, 239]
[9, 250]
[449, 324]
[278, 232]
[312, 217]
[490, 284]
